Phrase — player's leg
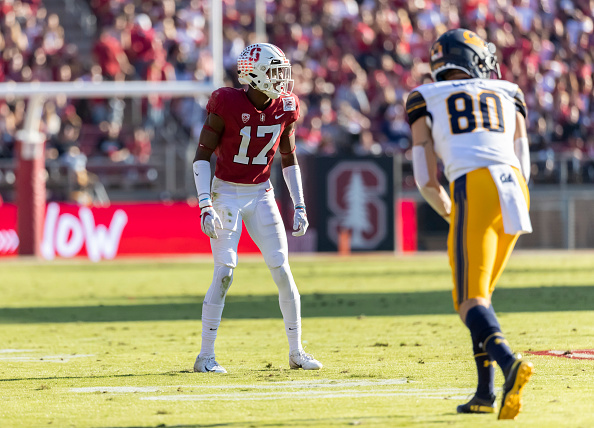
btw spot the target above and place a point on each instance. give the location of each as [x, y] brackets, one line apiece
[466, 246]
[483, 400]
[224, 251]
[518, 375]
[484, 218]
[266, 228]
[477, 248]
[506, 243]
[477, 236]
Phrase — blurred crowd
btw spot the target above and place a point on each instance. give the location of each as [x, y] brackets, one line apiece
[354, 63]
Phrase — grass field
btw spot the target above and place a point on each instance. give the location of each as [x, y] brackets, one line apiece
[112, 344]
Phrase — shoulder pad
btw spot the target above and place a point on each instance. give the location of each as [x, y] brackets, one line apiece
[416, 107]
[520, 103]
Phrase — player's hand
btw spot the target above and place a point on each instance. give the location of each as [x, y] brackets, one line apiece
[300, 222]
[209, 221]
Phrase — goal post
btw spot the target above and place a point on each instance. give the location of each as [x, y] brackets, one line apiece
[29, 153]
[29, 150]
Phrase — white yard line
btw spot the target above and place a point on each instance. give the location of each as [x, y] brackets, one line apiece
[455, 394]
[307, 384]
[323, 388]
[45, 359]
[15, 351]
[131, 389]
[299, 384]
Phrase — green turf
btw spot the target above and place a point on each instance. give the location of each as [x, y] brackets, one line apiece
[394, 352]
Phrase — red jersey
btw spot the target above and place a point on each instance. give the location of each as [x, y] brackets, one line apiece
[107, 50]
[251, 137]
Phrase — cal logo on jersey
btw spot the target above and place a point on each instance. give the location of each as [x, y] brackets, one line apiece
[289, 104]
[506, 178]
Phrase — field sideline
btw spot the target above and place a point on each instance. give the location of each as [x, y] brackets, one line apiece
[112, 344]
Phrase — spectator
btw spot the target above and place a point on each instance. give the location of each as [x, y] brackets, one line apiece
[367, 145]
[7, 131]
[110, 56]
[139, 145]
[143, 49]
[158, 70]
[111, 145]
[354, 62]
[53, 35]
[51, 122]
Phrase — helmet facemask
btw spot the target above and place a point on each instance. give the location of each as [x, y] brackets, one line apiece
[491, 61]
[279, 79]
[265, 68]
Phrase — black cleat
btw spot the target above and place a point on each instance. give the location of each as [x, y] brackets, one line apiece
[478, 405]
[518, 376]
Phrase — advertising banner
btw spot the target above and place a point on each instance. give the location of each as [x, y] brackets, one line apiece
[355, 195]
[120, 229]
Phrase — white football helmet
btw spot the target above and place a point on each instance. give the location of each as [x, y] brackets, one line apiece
[265, 67]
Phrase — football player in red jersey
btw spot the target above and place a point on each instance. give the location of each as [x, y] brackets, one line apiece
[245, 128]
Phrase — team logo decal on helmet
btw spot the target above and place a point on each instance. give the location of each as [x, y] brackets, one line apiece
[473, 39]
[436, 51]
[265, 67]
[464, 50]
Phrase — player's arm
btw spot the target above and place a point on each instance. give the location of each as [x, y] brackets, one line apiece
[521, 146]
[287, 147]
[208, 141]
[520, 135]
[424, 158]
[292, 175]
[213, 128]
[425, 169]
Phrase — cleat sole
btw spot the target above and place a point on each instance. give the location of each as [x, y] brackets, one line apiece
[475, 409]
[513, 400]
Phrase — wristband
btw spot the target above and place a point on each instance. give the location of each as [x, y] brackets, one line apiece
[201, 171]
[292, 176]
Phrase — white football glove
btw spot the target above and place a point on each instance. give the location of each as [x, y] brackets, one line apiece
[300, 222]
[209, 221]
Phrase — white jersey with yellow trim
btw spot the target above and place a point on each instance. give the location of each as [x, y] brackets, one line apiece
[473, 122]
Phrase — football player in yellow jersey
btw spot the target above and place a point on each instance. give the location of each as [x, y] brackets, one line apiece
[476, 126]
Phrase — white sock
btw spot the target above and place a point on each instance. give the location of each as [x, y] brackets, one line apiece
[291, 310]
[211, 318]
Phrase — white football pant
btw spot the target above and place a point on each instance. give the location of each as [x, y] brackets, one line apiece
[256, 206]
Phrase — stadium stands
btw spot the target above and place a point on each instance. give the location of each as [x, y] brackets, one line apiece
[354, 62]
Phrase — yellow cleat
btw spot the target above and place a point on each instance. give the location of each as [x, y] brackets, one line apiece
[518, 377]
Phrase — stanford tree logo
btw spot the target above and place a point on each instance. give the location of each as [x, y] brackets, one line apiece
[355, 192]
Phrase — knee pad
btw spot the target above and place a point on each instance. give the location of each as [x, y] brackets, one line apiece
[221, 282]
[276, 259]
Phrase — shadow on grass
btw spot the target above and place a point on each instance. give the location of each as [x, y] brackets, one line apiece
[544, 299]
[330, 422]
[108, 376]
